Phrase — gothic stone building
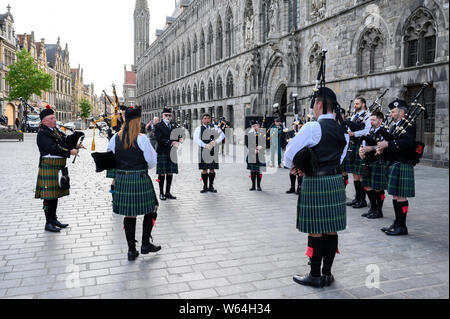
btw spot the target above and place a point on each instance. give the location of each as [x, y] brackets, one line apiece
[238, 58]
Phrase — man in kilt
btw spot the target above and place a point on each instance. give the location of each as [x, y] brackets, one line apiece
[207, 137]
[276, 143]
[352, 162]
[168, 143]
[54, 151]
[399, 153]
[255, 141]
[321, 209]
[374, 168]
[134, 194]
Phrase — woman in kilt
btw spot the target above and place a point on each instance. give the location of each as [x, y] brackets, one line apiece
[401, 184]
[375, 177]
[255, 141]
[207, 137]
[54, 152]
[321, 209]
[167, 155]
[134, 194]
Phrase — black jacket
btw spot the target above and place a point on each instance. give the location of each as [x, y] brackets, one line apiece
[163, 137]
[52, 142]
[402, 149]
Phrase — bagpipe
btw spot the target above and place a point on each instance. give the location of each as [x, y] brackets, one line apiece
[412, 114]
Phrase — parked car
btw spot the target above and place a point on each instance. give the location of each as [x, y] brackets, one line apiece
[32, 123]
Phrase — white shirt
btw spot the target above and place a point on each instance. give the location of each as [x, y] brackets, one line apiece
[145, 146]
[367, 127]
[309, 136]
[198, 139]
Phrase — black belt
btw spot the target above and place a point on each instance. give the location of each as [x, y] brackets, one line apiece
[327, 172]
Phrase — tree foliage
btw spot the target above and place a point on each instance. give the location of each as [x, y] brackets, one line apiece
[86, 108]
[25, 78]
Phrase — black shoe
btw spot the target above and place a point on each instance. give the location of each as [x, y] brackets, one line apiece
[253, 189]
[299, 191]
[52, 228]
[353, 202]
[212, 190]
[367, 214]
[360, 204]
[170, 196]
[397, 231]
[204, 191]
[390, 228]
[58, 224]
[145, 250]
[309, 280]
[259, 189]
[291, 191]
[132, 255]
[327, 280]
[162, 197]
[375, 215]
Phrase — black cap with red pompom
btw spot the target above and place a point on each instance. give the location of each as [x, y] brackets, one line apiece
[48, 111]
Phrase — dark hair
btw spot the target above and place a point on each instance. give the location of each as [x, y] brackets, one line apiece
[206, 115]
[330, 103]
[363, 100]
[379, 115]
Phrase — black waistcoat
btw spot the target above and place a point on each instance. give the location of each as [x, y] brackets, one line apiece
[331, 146]
[202, 131]
[130, 159]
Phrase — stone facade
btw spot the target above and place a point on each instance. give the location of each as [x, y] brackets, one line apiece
[239, 58]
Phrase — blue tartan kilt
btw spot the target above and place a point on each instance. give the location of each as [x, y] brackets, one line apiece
[165, 165]
[134, 194]
[111, 173]
[401, 180]
[321, 207]
[378, 179]
[354, 166]
[203, 165]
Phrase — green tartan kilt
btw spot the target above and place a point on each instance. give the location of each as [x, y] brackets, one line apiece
[134, 194]
[111, 173]
[401, 180]
[165, 165]
[378, 176]
[47, 186]
[204, 166]
[321, 207]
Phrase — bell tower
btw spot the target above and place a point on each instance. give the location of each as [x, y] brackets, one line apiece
[141, 29]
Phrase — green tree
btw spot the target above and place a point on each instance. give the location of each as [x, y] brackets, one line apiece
[86, 108]
[25, 78]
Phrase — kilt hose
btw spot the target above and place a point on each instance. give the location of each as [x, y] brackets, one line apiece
[378, 179]
[165, 165]
[111, 173]
[354, 166]
[256, 167]
[134, 194]
[203, 165]
[401, 180]
[321, 207]
[47, 186]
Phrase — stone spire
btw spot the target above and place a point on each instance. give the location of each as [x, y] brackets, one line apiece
[141, 29]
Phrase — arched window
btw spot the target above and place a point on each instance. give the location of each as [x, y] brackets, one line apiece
[167, 70]
[182, 60]
[420, 38]
[230, 85]
[174, 68]
[265, 24]
[178, 97]
[229, 32]
[188, 58]
[219, 88]
[210, 44]
[219, 40]
[210, 90]
[293, 25]
[183, 95]
[202, 49]
[194, 54]
[178, 64]
[189, 94]
[195, 93]
[202, 91]
[370, 54]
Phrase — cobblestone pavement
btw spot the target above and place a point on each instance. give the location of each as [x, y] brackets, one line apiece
[234, 244]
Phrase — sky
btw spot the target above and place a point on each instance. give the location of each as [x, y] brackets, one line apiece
[99, 32]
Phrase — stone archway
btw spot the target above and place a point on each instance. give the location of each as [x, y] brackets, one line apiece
[281, 99]
[10, 112]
